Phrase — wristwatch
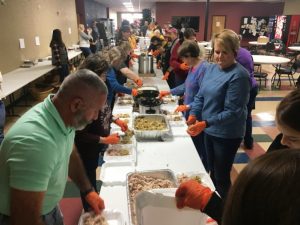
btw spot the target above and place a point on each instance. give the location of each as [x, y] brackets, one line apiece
[85, 193]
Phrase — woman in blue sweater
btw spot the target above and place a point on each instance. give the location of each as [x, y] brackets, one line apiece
[221, 106]
[116, 57]
[192, 55]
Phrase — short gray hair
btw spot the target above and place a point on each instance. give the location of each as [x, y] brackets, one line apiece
[80, 82]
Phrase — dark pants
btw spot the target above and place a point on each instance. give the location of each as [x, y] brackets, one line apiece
[171, 78]
[63, 72]
[54, 217]
[90, 164]
[248, 139]
[200, 147]
[86, 51]
[220, 155]
[179, 80]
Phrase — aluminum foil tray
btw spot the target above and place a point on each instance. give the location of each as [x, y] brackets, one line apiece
[152, 134]
[160, 174]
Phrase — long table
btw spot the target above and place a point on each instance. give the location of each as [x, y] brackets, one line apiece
[19, 78]
[178, 155]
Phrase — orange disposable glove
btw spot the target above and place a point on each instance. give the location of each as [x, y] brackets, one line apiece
[164, 93]
[111, 139]
[182, 108]
[134, 92]
[184, 66]
[197, 128]
[121, 124]
[96, 203]
[139, 82]
[192, 194]
[191, 120]
[166, 75]
[156, 53]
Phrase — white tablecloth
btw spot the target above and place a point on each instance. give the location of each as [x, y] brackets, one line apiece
[179, 155]
[268, 59]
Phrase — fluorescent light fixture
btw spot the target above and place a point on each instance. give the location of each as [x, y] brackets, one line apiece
[127, 3]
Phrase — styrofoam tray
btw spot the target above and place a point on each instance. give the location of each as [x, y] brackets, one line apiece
[158, 207]
[131, 158]
[129, 124]
[115, 173]
[205, 178]
[113, 217]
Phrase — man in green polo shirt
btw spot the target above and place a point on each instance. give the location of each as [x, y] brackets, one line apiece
[37, 154]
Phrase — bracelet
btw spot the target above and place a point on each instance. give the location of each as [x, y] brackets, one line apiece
[85, 193]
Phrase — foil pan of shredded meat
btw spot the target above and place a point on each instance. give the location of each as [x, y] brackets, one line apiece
[137, 182]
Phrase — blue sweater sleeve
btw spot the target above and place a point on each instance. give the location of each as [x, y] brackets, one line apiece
[236, 98]
[179, 90]
[114, 84]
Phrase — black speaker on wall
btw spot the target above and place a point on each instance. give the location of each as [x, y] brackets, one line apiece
[147, 15]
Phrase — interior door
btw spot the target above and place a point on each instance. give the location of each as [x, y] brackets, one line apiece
[218, 24]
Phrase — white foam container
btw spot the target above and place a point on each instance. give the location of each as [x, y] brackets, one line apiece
[115, 173]
[131, 158]
[113, 217]
[158, 207]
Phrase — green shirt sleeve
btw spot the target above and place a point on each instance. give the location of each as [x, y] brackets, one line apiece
[31, 163]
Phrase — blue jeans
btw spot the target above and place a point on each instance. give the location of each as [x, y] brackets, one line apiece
[220, 155]
[54, 217]
[86, 51]
[248, 139]
[2, 120]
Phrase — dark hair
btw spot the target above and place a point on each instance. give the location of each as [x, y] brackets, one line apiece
[95, 63]
[56, 38]
[266, 191]
[190, 48]
[288, 110]
[189, 32]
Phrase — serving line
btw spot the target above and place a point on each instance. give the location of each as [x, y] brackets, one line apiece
[19, 78]
[178, 155]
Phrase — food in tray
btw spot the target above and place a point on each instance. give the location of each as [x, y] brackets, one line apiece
[93, 219]
[169, 99]
[148, 123]
[176, 118]
[123, 115]
[117, 152]
[184, 177]
[125, 98]
[170, 113]
[138, 183]
[127, 138]
[125, 102]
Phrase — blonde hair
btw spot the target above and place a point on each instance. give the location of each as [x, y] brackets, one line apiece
[81, 27]
[228, 39]
[125, 46]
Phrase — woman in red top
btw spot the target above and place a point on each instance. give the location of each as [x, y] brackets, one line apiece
[179, 67]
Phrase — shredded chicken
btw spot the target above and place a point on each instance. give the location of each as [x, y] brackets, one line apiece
[138, 183]
[94, 220]
[183, 177]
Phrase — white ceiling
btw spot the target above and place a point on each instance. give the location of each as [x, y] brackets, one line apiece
[117, 6]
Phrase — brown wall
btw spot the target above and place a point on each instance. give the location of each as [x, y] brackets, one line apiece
[291, 7]
[27, 19]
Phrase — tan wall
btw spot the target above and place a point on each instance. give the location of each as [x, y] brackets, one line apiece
[291, 7]
[27, 19]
